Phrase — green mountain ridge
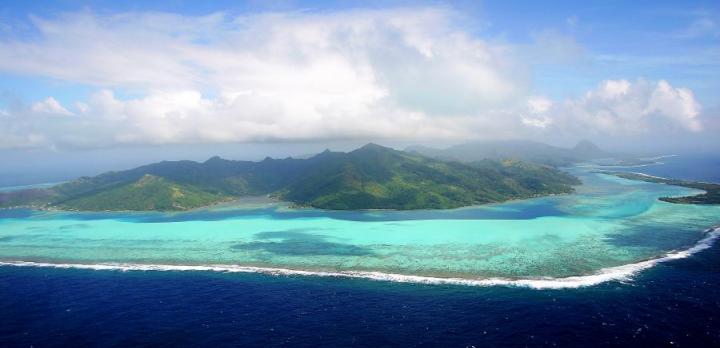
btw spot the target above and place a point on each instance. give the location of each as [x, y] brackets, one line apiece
[371, 177]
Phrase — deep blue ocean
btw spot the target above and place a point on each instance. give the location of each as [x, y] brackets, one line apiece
[699, 167]
[675, 304]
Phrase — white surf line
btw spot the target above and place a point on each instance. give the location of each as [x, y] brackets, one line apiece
[656, 163]
[618, 273]
[657, 157]
[649, 176]
[600, 166]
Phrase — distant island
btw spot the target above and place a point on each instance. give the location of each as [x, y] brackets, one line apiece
[371, 177]
[711, 195]
[530, 151]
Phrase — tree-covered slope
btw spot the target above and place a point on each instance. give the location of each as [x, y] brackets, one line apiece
[367, 178]
[378, 177]
[150, 192]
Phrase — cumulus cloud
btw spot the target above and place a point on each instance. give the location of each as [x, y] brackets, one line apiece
[402, 73]
[50, 106]
[538, 104]
[540, 122]
[536, 109]
[404, 55]
[390, 73]
[625, 107]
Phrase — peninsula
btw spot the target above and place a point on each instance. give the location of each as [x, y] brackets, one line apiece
[711, 195]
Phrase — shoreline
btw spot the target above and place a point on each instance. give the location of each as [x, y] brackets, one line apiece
[621, 273]
[710, 191]
[231, 204]
[287, 204]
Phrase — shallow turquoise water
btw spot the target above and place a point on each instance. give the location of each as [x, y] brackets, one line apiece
[609, 222]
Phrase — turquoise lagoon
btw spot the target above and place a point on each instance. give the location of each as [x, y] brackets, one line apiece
[609, 229]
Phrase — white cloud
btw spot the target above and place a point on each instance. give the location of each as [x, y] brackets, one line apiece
[538, 104]
[617, 107]
[625, 107]
[611, 89]
[542, 122]
[50, 106]
[677, 104]
[400, 74]
[536, 108]
[414, 57]
[272, 76]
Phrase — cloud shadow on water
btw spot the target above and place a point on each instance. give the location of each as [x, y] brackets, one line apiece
[74, 227]
[653, 236]
[299, 242]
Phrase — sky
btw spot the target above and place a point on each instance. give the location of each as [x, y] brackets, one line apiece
[114, 83]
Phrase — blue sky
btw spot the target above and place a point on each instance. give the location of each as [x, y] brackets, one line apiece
[80, 74]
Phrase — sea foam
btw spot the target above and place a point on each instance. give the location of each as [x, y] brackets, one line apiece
[618, 273]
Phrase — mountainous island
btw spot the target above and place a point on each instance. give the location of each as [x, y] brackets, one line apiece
[529, 151]
[371, 177]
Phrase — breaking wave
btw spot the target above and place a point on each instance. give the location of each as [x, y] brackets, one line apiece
[618, 273]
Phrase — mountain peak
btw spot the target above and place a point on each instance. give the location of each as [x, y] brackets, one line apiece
[214, 159]
[586, 145]
[372, 147]
[325, 154]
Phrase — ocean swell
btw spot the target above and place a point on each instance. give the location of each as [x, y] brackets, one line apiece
[618, 273]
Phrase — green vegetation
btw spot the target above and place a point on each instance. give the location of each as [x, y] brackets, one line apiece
[380, 178]
[711, 195]
[149, 193]
[372, 177]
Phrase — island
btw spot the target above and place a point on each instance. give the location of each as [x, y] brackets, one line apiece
[523, 150]
[711, 195]
[371, 177]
